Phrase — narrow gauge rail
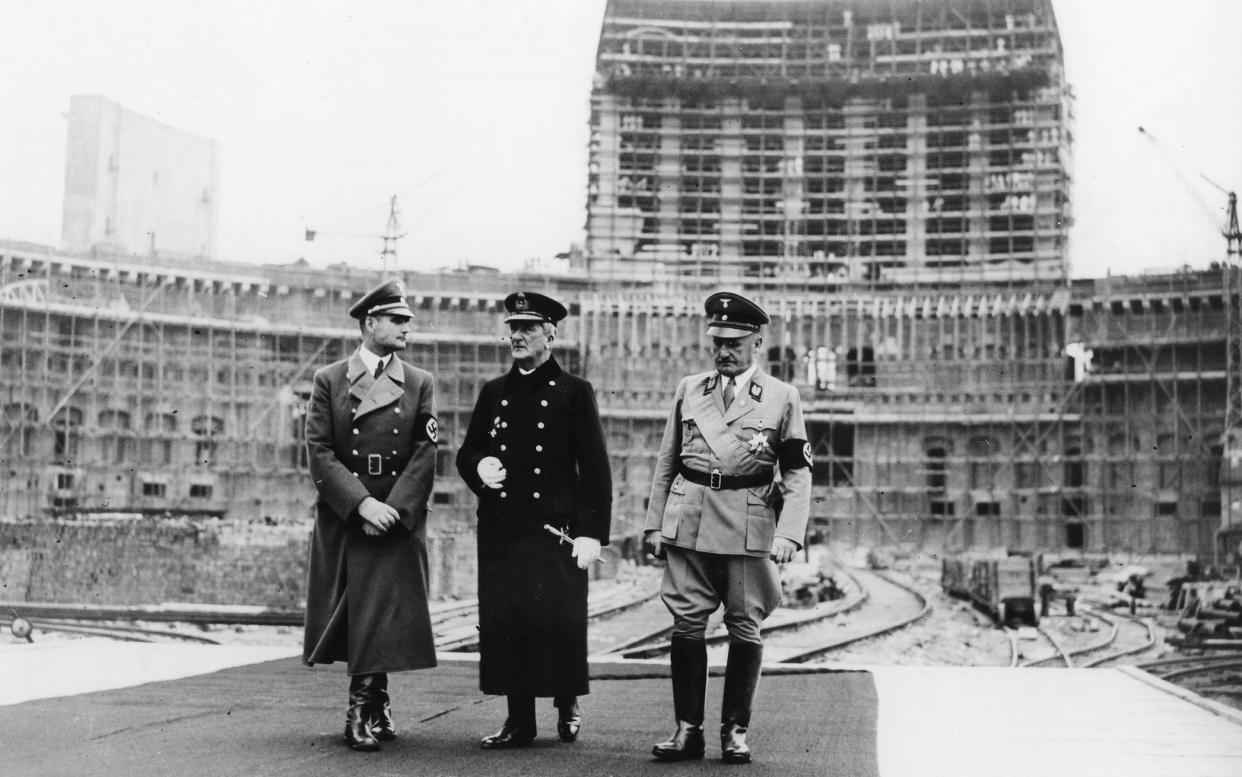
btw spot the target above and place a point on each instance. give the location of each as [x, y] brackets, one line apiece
[654, 644]
[1122, 622]
[1114, 623]
[1217, 678]
[1059, 656]
[786, 640]
[459, 631]
[1178, 668]
[120, 633]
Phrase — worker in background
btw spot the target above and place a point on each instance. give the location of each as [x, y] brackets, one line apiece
[371, 434]
[534, 455]
[735, 441]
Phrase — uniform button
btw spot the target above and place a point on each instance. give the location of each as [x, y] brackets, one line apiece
[394, 474]
[396, 431]
[543, 402]
[538, 448]
[504, 447]
[355, 474]
[503, 495]
[504, 424]
[394, 453]
[397, 410]
[551, 383]
[537, 470]
[540, 424]
[504, 403]
[536, 494]
[356, 452]
[355, 431]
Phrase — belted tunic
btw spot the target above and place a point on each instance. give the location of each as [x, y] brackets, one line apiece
[763, 426]
[366, 600]
[544, 427]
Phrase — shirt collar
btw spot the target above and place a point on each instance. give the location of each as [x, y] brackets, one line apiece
[370, 359]
[740, 381]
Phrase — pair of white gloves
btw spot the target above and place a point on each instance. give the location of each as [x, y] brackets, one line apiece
[492, 472]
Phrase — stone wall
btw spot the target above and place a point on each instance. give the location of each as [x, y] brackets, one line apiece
[207, 561]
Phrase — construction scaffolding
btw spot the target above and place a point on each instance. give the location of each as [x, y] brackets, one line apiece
[830, 143]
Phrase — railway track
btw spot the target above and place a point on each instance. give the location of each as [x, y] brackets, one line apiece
[120, 633]
[1121, 636]
[874, 605]
[1216, 677]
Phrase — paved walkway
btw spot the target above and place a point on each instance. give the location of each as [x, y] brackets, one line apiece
[235, 712]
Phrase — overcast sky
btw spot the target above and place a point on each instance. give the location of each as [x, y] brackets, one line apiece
[474, 113]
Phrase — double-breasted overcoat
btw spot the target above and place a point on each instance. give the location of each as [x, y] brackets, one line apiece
[544, 427]
[366, 601]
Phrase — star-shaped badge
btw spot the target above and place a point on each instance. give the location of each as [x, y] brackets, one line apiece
[758, 443]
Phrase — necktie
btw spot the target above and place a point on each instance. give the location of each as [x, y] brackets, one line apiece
[728, 392]
[379, 368]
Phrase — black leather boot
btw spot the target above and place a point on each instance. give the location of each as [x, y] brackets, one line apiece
[568, 718]
[519, 727]
[741, 680]
[689, 663]
[357, 721]
[380, 715]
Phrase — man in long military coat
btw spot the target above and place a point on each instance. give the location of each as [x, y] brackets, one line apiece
[371, 431]
[534, 454]
[730, 496]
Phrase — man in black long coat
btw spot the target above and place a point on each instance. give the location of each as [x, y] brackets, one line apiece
[371, 432]
[534, 454]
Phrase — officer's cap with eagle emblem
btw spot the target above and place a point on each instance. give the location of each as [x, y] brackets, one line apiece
[732, 315]
[532, 306]
[387, 299]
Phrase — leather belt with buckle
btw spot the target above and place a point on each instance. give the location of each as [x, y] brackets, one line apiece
[719, 482]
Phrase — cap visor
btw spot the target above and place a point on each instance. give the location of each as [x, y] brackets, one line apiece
[525, 317]
[725, 330]
[397, 309]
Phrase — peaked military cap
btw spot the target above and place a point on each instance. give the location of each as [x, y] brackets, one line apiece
[388, 299]
[732, 315]
[532, 306]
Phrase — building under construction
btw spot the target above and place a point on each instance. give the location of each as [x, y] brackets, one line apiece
[889, 180]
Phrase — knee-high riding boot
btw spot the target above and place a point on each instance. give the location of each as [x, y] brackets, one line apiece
[357, 720]
[689, 664]
[380, 714]
[741, 680]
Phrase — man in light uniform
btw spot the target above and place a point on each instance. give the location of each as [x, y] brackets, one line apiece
[730, 496]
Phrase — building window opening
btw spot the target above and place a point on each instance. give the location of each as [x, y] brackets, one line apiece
[154, 489]
[832, 453]
[200, 491]
[66, 425]
[208, 429]
[934, 469]
[1075, 535]
[17, 428]
[860, 366]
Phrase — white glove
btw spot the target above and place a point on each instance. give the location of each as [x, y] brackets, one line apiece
[492, 472]
[586, 550]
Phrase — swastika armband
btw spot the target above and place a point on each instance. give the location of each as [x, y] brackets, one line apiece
[426, 424]
[793, 454]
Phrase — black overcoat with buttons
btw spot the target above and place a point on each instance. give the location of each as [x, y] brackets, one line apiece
[366, 599]
[545, 429]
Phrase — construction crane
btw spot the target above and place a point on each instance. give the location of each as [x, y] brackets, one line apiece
[392, 234]
[1230, 533]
